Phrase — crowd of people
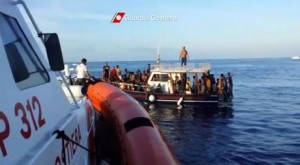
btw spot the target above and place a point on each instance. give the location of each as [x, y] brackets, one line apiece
[207, 83]
[178, 84]
[115, 74]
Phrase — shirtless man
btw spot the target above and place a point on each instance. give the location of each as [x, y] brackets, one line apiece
[183, 56]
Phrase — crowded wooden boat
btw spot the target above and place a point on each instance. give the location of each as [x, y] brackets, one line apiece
[172, 83]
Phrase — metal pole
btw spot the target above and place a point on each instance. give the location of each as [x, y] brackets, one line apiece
[29, 15]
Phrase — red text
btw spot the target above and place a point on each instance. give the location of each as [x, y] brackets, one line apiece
[70, 148]
[4, 134]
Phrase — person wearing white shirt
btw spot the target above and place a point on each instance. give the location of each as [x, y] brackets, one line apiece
[82, 73]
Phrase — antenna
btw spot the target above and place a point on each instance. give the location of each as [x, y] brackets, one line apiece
[158, 56]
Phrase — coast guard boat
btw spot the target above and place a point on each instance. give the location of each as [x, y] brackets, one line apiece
[44, 123]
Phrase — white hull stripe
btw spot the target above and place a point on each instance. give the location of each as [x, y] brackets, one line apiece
[186, 101]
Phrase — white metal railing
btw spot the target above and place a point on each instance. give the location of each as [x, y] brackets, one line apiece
[191, 67]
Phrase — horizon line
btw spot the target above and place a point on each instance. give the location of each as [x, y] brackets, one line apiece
[178, 60]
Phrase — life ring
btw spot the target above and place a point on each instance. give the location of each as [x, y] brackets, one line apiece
[151, 98]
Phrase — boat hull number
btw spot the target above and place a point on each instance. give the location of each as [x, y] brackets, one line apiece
[31, 117]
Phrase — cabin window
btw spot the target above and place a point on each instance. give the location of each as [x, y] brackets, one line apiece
[164, 77]
[155, 77]
[160, 77]
[25, 65]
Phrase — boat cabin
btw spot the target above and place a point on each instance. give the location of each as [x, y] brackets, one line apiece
[164, 76]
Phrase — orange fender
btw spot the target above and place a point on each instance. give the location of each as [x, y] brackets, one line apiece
[140, 138]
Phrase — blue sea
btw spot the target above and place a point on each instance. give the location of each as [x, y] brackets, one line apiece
[261, 127]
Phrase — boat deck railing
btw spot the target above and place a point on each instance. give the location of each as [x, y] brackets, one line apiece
[176, 67]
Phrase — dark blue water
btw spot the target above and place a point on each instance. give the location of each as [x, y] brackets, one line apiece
[262, 126]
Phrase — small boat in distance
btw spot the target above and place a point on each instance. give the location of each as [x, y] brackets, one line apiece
[295, 58]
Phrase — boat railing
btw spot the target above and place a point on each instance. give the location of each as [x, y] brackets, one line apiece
[191, 67]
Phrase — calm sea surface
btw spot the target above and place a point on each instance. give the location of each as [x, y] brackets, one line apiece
[262, 126]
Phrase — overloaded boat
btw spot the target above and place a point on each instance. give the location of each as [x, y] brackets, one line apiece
[42, 122]
[172, 83]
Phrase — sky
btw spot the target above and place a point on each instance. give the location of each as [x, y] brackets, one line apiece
[209, 29]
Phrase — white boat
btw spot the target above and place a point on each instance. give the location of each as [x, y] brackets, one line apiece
[42, 122]
[295, 58]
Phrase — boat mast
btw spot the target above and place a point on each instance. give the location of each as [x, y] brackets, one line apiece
[158, 57]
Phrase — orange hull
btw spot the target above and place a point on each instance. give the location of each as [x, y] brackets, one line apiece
[141, 140]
